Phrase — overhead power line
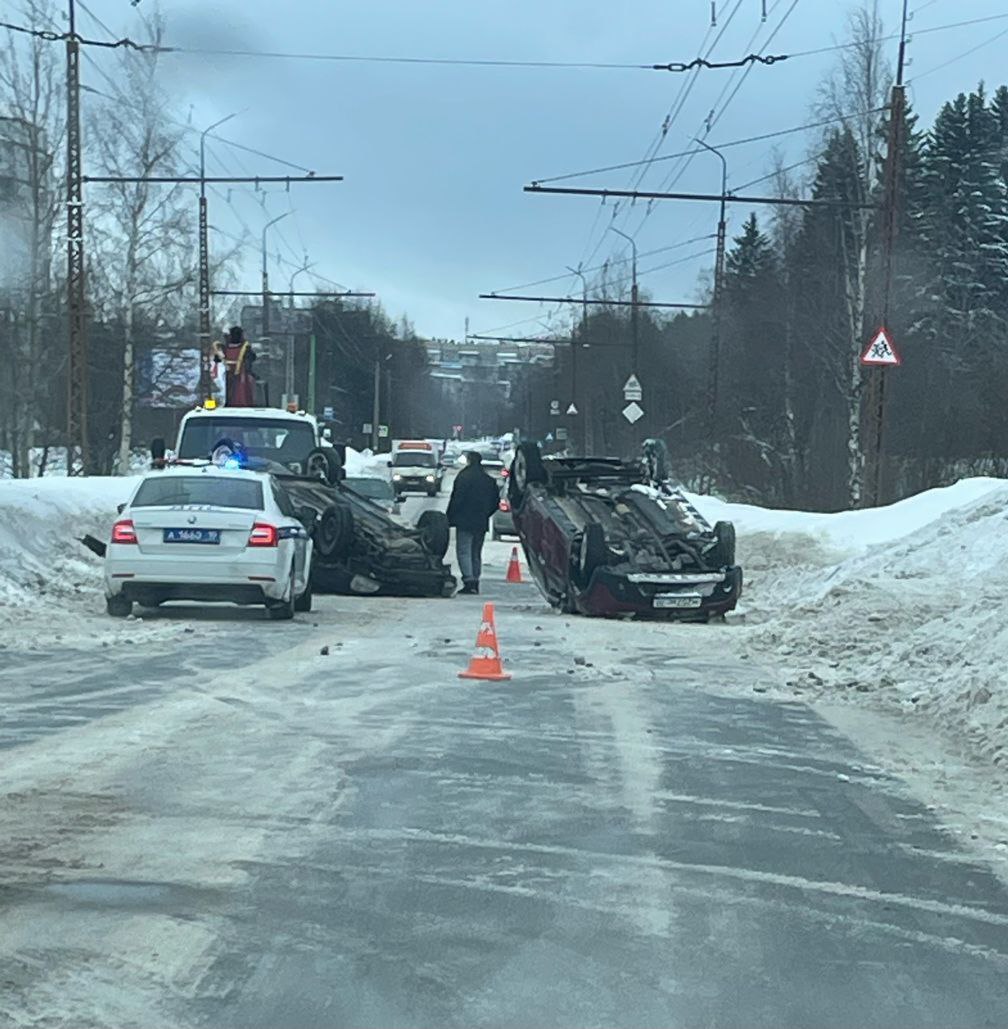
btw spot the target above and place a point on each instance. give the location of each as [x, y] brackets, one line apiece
[720, 146]
[727, 198]
[604, 301]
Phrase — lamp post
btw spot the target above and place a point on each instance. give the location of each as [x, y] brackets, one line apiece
[719, 267]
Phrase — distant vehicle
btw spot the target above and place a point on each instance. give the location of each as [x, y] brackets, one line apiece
[416, 469]
[502, 523]
[376, 489]
[292, 440]
[495, 468]
[209, 534]
[602, 539]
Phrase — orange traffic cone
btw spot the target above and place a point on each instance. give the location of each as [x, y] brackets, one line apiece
[486, 660]
[514, 568]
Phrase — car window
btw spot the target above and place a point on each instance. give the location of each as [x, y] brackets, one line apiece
[204, 490]
[277, 439]
[414, 459]
[371, 487]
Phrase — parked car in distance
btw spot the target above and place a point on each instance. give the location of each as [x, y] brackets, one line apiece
[502, 524]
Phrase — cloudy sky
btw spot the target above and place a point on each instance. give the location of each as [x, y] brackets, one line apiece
[435, 155]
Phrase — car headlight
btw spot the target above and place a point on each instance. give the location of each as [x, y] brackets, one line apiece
[396, 476]
[430, 478]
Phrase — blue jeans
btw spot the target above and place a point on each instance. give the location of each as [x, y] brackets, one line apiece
[469, 550]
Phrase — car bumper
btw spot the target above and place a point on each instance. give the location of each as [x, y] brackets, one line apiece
[243, 582]
[612, 594]
[414, 485]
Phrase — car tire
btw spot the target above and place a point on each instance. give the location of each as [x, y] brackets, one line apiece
[118, 606]
[722, 554]
[434, 532]
[283, 610]
[526, 468]
[303, 602]
[324, 463]
[593, 552]
[334, 532]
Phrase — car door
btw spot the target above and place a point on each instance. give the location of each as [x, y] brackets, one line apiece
[291, 529]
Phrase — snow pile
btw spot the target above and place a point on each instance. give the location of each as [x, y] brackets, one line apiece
[361, 463]
[40, 523]
[900, 605]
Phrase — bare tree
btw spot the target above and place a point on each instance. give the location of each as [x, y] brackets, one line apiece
[856, 93]
[31, 135]
[144, 250]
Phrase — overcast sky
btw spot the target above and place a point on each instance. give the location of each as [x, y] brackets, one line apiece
[432, 210]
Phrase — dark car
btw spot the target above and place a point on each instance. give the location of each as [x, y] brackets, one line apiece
[502, 524]
[603, 539]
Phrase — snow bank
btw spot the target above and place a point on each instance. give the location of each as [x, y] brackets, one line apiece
[365, 463]
[902, 605]
[40, 521]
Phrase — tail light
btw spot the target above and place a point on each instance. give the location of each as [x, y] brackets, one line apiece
[124, 532]
[263, 535]
[504, 473]
[504, 505]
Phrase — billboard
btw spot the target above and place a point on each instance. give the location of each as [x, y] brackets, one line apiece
[167, 378]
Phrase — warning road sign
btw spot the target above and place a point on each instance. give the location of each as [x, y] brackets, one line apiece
[572, 408]
[632, 389]
[881, 352]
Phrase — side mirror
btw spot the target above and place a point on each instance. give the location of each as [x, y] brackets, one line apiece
[327, 434]
[388, 464]
[120, 508]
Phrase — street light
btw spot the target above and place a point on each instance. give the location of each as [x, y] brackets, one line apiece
[574, 354]
[265, 276]
[719, 267]
[289, 362]
[633, 294]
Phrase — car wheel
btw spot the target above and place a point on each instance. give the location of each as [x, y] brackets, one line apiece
[593, 552]
[722, 554]
[283, 610]
[434, 532]
[324, 463]
[118, 606]
[334, 532]
[526, 468]
[303, 602]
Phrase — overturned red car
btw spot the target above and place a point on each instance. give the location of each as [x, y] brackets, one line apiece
[603, 538]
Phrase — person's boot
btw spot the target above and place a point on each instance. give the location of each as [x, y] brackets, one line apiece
[475, 586]
[467, 588]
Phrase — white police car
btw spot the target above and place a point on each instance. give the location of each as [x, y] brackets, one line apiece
[209, 533]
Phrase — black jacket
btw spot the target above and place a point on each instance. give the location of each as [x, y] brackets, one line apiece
[474, 499]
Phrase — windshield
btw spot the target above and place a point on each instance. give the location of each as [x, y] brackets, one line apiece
[414, 459]
[202, 490]
[374, 489]
[277, 439]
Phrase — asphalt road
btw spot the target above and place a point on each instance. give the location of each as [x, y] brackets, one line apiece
[228, 827]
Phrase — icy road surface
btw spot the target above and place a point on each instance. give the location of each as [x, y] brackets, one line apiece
[206, 821]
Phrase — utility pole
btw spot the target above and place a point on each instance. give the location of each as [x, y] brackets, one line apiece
[204, 265]
[714, 371]
[265, 334]
[875, 394]
[77, 364]
[376, 399]
[574, 357]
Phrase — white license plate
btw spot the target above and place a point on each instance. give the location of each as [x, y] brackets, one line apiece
[677, 600]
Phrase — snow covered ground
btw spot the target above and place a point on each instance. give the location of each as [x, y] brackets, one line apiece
[900, 606]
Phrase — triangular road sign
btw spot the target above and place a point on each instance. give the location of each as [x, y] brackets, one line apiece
[573, 408]
[881, 352]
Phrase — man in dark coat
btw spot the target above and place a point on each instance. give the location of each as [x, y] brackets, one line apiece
[474, 499]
